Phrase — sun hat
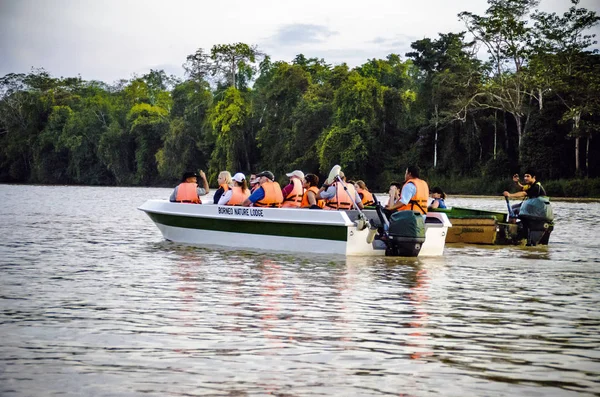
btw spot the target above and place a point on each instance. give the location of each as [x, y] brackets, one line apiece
[297, 173]
[239, 177]
[188, 174]
[268, 174]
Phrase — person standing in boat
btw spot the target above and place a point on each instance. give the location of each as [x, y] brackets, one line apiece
[365, 195]
[439, 198]
[293, 192]
[336, 196]
[531, 189]
[238, 192]
[310, 199]
[188, 190]
[413, 196]
[224, 180]
[268, 194]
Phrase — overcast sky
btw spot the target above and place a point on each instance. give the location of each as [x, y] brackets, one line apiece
[112, 39]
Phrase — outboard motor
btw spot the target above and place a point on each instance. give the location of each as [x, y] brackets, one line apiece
[536, 216]
[406, 234]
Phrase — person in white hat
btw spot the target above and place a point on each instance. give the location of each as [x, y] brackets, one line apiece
[293, 192]
[238, 193]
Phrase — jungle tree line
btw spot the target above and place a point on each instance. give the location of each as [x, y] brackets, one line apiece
[535, 102]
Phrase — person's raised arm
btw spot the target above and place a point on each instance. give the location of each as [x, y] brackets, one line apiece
[516, 180]
[204, 181]
[393, 202]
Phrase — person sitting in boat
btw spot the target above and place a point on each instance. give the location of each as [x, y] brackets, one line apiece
[268, 194]
[188, 191]
[238, 192]
[413, 196]
[439, 197]
[531, 189]
[339, 195]
[253, 183]
[365, 195]
[225, 182]
[310, 199]
[293, 192]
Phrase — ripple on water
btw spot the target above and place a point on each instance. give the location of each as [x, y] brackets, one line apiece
[95, 302]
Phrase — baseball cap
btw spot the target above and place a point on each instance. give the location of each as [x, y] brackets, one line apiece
[268, 174]
[239, 177]
[296, 173]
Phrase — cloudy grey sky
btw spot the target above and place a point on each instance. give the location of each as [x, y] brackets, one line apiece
[112, 39]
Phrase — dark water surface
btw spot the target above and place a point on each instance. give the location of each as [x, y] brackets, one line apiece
[93, 302]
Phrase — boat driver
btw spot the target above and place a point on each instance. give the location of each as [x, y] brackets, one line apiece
[531, 189]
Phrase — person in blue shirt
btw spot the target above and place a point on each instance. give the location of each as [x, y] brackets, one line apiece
[438, 196]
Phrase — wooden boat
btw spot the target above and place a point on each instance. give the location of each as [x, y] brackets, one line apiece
[472, 226]
[283, 229]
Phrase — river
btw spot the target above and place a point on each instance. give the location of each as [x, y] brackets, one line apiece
[93, 302]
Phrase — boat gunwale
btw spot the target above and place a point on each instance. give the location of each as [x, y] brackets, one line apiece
[344, 222]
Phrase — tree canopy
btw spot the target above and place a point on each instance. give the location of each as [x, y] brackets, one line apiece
[533, 102]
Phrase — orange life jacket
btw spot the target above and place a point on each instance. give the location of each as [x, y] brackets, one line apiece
[238, 196]
[294, 198]
[225, 187]
[305, 203]
[366, 196]
[341, 200]
[419, 198]
[273, 195]
[187, 193]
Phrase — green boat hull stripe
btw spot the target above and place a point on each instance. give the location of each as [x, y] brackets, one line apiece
[323, 232]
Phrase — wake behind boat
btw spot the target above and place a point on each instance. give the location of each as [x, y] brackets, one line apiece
[294, 230]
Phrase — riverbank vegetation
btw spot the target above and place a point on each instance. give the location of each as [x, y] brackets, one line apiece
[468, 122]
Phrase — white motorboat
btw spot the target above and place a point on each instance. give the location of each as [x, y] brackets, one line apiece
[349, 232]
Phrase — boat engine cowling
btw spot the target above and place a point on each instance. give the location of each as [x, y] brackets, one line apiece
[537, 216]
[406, 234]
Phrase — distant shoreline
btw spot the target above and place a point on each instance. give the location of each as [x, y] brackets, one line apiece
[552, 198]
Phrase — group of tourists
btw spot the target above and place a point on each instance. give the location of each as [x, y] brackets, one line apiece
[302, 191]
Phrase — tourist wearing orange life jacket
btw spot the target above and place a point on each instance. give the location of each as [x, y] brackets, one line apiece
[188, 191]
[225, 182]
[413, 196]
[337, 198]
[293, 192]
[268, 194]
[311, 199]
[238, 192]
[365, 195]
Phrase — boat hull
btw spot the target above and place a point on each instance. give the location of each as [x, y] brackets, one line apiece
[470, 226]
[278, 229]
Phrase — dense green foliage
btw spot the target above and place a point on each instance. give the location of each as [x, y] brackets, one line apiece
[468, 123]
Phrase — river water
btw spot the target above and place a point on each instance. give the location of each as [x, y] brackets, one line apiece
[93, 302]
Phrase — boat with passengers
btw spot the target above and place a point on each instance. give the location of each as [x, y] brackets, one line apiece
[347, 232]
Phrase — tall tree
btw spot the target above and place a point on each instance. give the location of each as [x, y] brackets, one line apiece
[504, 32]
[233, 63]
[561, 64]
